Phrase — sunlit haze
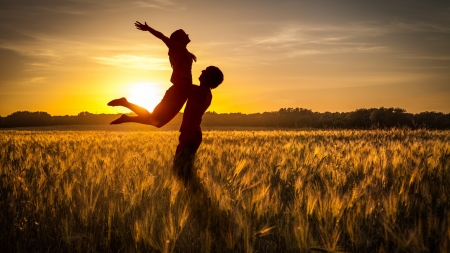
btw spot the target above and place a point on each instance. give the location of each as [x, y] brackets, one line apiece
[65, 57]
[146, 95]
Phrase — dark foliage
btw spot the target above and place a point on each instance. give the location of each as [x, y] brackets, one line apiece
[284, 118]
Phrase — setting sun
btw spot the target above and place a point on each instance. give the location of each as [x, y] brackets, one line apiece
[146, 94]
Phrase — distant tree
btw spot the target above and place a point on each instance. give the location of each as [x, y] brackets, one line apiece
[338, 124]
[428, 119]
[359, 118]
[26, 118]
[303, 121]
[390, 117]
[85, 113]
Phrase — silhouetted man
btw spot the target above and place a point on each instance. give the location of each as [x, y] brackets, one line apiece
[199, 99]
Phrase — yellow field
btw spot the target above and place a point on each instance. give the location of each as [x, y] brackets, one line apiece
[262, 191]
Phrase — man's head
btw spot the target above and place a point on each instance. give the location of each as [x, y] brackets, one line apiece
[211, 77]
[180, 36]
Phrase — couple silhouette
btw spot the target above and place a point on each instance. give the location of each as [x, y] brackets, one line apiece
[198, 100]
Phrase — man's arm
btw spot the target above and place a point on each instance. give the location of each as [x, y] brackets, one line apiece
[157, 34]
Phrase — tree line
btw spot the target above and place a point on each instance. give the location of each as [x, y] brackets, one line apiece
[372, 118]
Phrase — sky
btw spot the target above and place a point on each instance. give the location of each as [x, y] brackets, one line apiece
[69, 56]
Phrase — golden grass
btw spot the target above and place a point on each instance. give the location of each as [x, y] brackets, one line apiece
[264, 191]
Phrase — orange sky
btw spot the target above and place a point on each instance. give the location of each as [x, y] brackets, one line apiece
[65, 57]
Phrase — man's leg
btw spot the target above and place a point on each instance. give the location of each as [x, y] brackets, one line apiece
[183, 163]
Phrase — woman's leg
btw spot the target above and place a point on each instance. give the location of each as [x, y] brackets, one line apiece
[166, 110]
[140, 111]
[146, 120]
[144, 116]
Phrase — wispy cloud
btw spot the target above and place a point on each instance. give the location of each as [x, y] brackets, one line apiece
[294, 40]
[159, 4]
[84, 7]
[420, 27]
[305, 52]
[64, 10]
[134, 62]
[324, 34]
[434, 58]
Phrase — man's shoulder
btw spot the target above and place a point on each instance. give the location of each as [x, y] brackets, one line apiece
[198, 88]
[199, 93]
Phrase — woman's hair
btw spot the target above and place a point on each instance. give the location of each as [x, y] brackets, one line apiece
[215, 76]
[177, 35]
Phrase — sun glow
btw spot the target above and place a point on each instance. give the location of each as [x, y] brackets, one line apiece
[147, 95]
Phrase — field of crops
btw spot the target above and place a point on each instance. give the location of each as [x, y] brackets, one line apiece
[261, 191]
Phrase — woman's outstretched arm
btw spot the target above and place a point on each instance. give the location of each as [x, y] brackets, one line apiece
[157, 34]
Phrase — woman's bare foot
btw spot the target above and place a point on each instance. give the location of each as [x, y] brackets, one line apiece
[118, 102]
[122, 119]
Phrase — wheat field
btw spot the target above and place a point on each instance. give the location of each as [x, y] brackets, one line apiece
[256, 191]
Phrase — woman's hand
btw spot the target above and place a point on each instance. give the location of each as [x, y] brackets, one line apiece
[142, 27]
[157, 34]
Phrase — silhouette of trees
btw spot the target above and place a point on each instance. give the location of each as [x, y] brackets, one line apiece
[359, 119]
[25, 118]
[284, 118]
[390, 117]
[433, 120]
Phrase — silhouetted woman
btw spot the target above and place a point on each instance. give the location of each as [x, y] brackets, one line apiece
[175, 97]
